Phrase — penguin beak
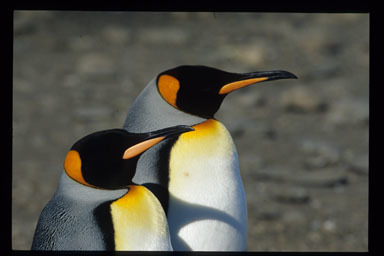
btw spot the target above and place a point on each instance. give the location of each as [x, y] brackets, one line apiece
[255, 77]
[154, 138]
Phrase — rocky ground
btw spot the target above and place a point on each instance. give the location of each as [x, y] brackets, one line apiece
[302, 144]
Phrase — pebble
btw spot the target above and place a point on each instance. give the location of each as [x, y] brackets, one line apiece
[320, 154]
[301, 100]
[359, 165]
[329, 226]
[316, 162]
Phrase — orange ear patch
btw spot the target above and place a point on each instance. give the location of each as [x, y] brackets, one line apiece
[72, 166]
[168, 88]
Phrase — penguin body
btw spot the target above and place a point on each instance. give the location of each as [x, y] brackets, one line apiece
[204, 195]
[206, 204]
[201, 177]
[96, 208]
[70, 219]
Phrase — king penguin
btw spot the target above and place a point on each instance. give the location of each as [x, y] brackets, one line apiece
[97, 206]
[196, 176]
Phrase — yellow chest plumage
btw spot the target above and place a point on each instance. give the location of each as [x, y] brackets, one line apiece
[139, 221]
[195, 154]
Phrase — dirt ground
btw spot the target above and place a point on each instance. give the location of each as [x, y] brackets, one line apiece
[302, 144]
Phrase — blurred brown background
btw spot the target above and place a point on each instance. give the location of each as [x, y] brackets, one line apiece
[302, 144]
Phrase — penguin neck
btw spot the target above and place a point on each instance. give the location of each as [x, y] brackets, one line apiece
[79, 192]
[151, 112]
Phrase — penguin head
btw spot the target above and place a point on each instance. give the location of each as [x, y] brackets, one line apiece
[200, 90]
[107, 159]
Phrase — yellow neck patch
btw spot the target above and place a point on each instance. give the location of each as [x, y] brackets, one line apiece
[139, 221]
[210, 136]
[168, 88]
[195, 154]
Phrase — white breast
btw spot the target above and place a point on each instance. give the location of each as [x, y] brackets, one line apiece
[207, 207]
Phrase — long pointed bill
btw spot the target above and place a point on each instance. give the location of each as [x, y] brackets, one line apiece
[153, 139]
[255, 77]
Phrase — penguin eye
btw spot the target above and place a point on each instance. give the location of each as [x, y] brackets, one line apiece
[72, 166]
[168, 87]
